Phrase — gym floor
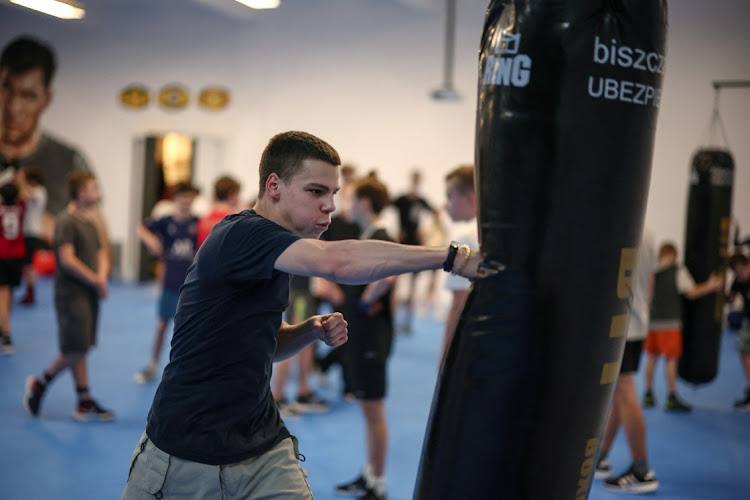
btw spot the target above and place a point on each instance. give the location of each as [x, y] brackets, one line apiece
[701, 455]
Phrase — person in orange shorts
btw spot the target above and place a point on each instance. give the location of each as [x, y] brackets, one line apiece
[671, 282]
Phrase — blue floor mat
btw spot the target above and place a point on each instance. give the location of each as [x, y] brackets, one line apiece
[701, 455]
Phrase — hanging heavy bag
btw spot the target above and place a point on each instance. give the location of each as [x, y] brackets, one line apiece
[568, 98]
[706, 243]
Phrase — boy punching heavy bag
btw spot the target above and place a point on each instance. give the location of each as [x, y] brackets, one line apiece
[569, 93]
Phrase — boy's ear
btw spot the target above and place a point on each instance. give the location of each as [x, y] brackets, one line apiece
[273, 186]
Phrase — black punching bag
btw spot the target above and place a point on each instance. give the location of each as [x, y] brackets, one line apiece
[706, 244]
[569, 93]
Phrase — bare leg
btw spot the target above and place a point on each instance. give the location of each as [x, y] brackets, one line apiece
[305, 367]
[5, 308]
[161, 328]
[746, 366]
[670, 370]
[377, 434]
[649, 371]
[62, 362]
[30, 276]
[629, 409]
[81, 378]
[613, 425]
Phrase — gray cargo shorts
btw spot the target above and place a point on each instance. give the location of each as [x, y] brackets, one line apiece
[275, 474]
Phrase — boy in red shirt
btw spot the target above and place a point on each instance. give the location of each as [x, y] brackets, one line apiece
[226, 201]
[12, 253]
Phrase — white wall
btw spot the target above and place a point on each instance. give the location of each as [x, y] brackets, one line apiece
[358, 74]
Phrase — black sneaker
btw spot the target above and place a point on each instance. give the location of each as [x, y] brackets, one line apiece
[355, 488]
[603, 469]
[90, 410]
[674, 404]
[6, 345]
[630, 482]
[648, 400]
[33, 395]
[311, 404]
[743, 404]
[371, 494]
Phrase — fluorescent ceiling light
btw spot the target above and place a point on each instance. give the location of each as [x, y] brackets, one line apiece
[66, 9]
[260, 4]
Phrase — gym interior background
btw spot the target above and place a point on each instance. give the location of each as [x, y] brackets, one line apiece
[358, 73]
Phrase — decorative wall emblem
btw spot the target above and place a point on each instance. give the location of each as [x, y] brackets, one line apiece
[214, 98]
[135, 96]
[174, 96]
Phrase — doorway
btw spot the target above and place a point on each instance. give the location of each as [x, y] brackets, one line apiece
[167, 159]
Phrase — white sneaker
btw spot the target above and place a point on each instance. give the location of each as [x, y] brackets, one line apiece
[629, 482]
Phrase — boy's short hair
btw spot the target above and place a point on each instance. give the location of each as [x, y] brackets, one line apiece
[285, 153]
[9, 194]
[464, 178]
[347, 169]
[667, 248]
[25, 53]
[225, 186]
[76, 180]
[371, 188]
[185, 187]
[738, 259]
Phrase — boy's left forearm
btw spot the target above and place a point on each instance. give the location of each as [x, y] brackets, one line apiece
[291, 339]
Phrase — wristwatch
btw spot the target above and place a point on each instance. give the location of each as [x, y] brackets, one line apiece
[452, 251]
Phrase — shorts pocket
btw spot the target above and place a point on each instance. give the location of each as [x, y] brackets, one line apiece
[156, 463]
[137, 452]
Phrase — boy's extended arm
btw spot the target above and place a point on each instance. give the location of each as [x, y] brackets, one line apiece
[152, 242]
[357, 262]
[712, 284]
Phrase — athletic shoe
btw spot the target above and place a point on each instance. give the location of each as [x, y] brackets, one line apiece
[674, 404]
[648, 400]
[311, 404]
[603, 469]
[148, 374]
[371, 494]
[6, 345]
[743, 404]
[89, 410]
[355, 488]
[33, 395]
[630, 482]
[286, 409]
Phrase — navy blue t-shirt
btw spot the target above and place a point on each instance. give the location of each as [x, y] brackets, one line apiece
[178, 239]
[214, 403]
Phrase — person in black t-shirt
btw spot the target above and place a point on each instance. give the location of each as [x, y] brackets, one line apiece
[411, 206]
[367, 309]
[213, 430]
